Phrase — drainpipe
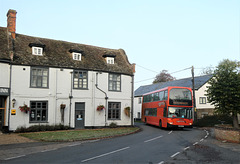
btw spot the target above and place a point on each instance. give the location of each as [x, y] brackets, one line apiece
[70, 97]
[9, 101]
[132, 100]
[106, 98]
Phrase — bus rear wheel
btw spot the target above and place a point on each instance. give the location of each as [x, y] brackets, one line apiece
[160, 123]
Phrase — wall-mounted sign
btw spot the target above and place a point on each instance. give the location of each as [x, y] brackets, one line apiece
[13, 112]
[4, 91]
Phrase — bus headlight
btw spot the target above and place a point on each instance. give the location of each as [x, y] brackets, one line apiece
[190, 123]
[171, 123]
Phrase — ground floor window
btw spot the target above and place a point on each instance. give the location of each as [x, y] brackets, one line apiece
[39, 111]
[114, 110]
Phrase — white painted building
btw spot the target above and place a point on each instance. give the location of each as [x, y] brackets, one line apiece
[203, 108]
[61, 82]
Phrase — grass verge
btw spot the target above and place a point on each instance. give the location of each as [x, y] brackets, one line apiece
[79, 135]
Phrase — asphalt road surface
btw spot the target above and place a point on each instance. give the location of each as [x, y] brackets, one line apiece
[151, 145]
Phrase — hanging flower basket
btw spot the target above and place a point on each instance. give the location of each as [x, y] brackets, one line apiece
[100, 107]
[24, 108]
[127, 111]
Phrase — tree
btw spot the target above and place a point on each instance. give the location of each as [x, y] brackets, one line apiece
[224, 90]
[163, 76]
[207, 71]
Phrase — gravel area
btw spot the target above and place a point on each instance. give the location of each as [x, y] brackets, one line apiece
[13, 138]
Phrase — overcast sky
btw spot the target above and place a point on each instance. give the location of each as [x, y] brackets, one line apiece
[155, 34]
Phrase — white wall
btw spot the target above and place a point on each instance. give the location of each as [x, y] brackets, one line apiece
[201, 93]
[4, 74]
[58, 93]
[4, 83]
[137, 107]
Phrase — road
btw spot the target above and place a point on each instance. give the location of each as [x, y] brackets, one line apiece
[151, 145]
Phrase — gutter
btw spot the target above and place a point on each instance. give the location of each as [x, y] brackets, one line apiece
[106, 98]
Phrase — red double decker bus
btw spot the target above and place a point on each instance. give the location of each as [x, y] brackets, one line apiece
[168, 107]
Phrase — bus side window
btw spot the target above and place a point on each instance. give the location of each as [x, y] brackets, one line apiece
[156, 96]
[152, 96]
[165, 95]
[161, 95]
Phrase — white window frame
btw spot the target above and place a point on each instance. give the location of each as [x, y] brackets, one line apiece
[37, 51]
[77, 56]
[110, 60]
[114, 82]
[202, 100]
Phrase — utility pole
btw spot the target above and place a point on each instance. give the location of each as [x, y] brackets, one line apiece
[193, 89]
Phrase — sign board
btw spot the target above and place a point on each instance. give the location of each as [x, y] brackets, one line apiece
[4, 91]
[13, 112]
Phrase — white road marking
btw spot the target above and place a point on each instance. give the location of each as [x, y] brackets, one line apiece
[175, 154]
[14, 157]
[99, 156]
[201, 140]
[170, 132]
[75, 144]
[48, 150]
[153, 139]
[162, 162]
[195, 143]
[186, 148]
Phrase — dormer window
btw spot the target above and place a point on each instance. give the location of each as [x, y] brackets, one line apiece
[77, 56]
[37, 49]
[110, 59]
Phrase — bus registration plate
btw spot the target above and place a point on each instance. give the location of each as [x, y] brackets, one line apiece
[180, 126]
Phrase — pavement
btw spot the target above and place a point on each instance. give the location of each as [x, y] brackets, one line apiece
[13, 146]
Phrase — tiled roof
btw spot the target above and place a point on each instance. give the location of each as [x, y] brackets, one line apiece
[4, 53]
[56, 54]
[187, 82]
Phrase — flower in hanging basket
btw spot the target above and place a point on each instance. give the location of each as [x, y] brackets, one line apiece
[127, 111]
[24, 108]
[100, 107]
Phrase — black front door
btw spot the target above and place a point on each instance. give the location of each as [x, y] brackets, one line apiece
[79, 115]
[2, 111]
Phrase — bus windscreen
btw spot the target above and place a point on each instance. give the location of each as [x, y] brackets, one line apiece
[179, 112]
[180, 96]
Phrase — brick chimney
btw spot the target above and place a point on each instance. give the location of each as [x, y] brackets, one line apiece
[11, 22]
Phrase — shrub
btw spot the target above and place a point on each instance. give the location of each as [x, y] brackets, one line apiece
[210, 121]
[38, 128]
[113, 125]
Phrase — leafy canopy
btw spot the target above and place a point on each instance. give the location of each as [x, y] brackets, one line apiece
[163, 76]
[224, 89]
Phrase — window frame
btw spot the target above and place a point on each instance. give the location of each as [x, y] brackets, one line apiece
[110, 60]
[111, 111]
[202, 100]
[37, 51]
[38, 77]
[140, 100]
[77, 56]
[36, 109]
[114, 82]
[82, 80]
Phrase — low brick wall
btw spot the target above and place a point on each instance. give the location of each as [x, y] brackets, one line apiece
[228, 134]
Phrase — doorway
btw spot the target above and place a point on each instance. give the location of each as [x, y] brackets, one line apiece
[79, 115]
[2, 111]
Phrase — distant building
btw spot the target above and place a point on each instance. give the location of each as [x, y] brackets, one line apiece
[61, 82]
[203, 108]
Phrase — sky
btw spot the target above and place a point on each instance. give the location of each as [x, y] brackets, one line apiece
[156, 35]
